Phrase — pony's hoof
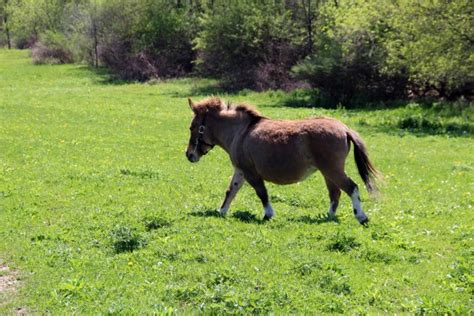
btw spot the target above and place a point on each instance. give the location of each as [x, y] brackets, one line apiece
[365, 222]
[267, 218]
[331, 216]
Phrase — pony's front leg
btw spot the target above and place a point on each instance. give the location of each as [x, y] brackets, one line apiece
[234, 187]
[259, 186]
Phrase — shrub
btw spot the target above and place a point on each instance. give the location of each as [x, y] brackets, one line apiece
[349, 55]
[342, 243]
[51, 49]
[248, 45]
[433, 44]
[33, 20]
[152, 223]
[145, 40]
[126, 239]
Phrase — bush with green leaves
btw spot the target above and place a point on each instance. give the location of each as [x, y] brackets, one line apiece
[248, 44]
[126, 239]
[433, 42]
[52, 48]
[145, 39]
[349, 56]
[30, 19]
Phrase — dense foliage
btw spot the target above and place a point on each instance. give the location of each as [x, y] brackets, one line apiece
[248, 44]
[348, 51]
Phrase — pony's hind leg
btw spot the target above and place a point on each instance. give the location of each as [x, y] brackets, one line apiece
[234, 187]
[359, 214]
[334, 195]
[350, 187]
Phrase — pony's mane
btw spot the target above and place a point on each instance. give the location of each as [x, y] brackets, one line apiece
[215, 104]
[249, 110]
[208, 104]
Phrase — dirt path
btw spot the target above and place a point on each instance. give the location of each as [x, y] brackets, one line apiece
[8, 286]
[8, 279]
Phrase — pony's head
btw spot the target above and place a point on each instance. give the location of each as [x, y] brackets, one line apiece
[201, 140]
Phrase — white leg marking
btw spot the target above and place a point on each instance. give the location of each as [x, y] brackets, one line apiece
[269, 213]
[359, 214]
[223, 211]
[235, 185]
[332, 209]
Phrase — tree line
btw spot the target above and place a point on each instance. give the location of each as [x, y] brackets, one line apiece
[346, 51]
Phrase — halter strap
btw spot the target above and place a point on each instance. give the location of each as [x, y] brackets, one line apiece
[200, 138]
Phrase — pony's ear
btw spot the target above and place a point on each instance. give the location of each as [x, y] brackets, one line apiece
[191, 104]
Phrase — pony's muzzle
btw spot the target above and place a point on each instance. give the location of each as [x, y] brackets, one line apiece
[192, 157]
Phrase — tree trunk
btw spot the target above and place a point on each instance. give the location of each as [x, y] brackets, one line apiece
[5, 22]
[7, 31]
[8, 38]
[94, 33]
[309, 25]
[96, 44]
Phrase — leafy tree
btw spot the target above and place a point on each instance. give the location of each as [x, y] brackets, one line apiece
[348, 57]
[5, 8]
[433, 41]
[31, 18]
[248, 42]
[145, 39]
[165, 32]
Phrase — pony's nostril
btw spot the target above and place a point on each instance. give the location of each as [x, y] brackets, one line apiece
[190, 157]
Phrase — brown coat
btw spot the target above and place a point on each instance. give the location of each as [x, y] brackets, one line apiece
[279, 151]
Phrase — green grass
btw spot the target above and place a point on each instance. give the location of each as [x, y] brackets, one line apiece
[100, 212]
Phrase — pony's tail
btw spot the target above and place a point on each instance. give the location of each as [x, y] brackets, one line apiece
[367, 171]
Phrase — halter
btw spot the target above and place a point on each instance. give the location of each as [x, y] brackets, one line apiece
[200, 138]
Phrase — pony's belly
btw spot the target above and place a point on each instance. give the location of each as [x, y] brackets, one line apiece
[281, 161]
[287, 176]
[308, 172]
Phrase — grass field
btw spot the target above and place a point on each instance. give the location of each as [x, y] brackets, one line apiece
[101, 213]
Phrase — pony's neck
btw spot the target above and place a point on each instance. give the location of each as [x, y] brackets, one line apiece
[228, 127]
